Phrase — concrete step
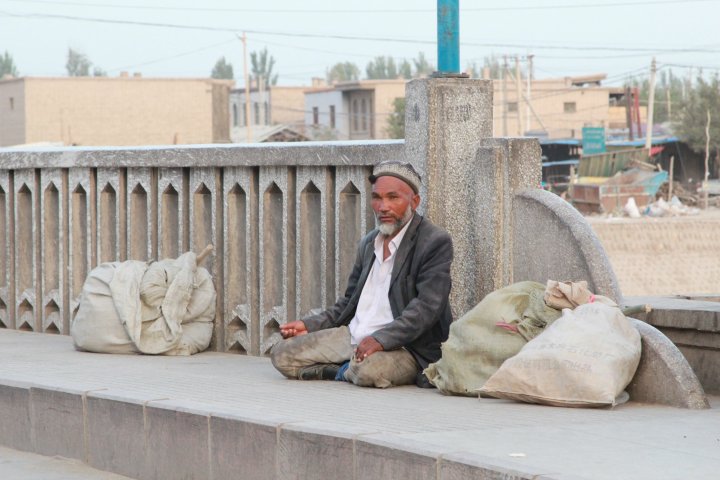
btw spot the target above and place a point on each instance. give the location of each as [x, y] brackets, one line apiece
[221, 416]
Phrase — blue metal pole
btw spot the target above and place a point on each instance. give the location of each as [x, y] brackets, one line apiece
[448, 37]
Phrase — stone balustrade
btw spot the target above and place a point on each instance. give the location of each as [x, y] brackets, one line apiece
[271, 211]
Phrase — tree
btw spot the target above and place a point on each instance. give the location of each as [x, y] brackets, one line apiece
[422, 66]
[78, 64]
[494, 68]
[261, 68]
[222, 70]
[668, 92]
[405, 70]
[99, 72]
[7, 65]
[343, 72]
[396, 121]
[380, 68]
[691, 121]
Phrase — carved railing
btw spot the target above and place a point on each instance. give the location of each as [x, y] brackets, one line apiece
[285, 220]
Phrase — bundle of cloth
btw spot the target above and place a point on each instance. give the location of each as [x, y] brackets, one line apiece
[159, 308]
[555, 344]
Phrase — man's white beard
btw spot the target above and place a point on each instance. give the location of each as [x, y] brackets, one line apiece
[393, 228]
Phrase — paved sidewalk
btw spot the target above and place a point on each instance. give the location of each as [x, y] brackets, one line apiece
[632, 441]
[16, 465]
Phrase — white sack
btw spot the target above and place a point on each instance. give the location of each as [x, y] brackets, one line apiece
[586, 358]
[166, 307]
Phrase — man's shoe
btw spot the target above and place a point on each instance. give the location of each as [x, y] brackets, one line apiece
[319, 372]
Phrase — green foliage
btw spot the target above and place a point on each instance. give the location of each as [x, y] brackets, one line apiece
[261, 68]
[396, 121]
[668, 95]
[385, 67]
[494, 66]
[422, 66]
[99, 72]
[382, 67]
[343, 72]
[7, 65]
[222, 70]
[691, 119]
[78, 64]
[405, 70]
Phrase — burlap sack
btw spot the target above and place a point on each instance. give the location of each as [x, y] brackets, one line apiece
[97, 327]
[584, 359]
[166, 308]
[477, 344]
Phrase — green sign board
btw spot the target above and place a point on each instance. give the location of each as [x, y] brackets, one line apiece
[593, 140]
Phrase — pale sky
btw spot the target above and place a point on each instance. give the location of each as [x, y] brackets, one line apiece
[566, 37]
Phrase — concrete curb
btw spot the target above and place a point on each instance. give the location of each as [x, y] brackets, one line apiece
[151, 439]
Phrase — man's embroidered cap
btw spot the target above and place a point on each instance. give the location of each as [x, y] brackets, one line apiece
[395, 168]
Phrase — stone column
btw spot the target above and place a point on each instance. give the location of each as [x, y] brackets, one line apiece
[469, 179]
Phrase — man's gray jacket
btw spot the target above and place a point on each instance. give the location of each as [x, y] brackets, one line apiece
[419, 290]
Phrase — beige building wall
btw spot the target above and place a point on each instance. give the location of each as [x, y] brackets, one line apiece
[287, 106]
[125, 110]
[386, 91]
[558, 107]
[12, 112]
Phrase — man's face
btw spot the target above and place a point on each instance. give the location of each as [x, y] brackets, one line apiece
[393, 202]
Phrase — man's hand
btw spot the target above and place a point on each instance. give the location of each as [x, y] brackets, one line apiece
[293, 329]
[367, 347]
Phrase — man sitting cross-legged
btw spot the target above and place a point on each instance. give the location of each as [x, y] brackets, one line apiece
[395, 313]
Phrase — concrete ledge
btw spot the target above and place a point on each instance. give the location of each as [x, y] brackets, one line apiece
[694, 327]
[116, 434]
[664, 376]
[177, 443]
[242, 449]
[323, 454]
[385, 461]
[57, 419]
[15, 416]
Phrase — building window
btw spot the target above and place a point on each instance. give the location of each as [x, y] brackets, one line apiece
[12, 103]
[512, 107]
[355, 114]
[256, 106]
[363, 109]
[332, 116]
[267, 114]
[569, 107]
[316, 116]
[235, 115]
[242, 114]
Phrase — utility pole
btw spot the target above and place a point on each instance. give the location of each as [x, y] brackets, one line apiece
[707, 161]
[628, 112]
[505, 102]
[527, 97]
[651, 107]
[518, 87]
[248, 128]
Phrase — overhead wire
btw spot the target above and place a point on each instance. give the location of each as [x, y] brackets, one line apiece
[355, 37]
[511, 8]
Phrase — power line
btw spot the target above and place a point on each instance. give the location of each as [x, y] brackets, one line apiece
[353, 37]
[159, 60]
[561, 6]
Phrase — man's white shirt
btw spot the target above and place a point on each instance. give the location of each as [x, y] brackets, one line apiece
[373, 311]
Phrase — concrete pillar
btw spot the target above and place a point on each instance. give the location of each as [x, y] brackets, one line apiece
[469, 179]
